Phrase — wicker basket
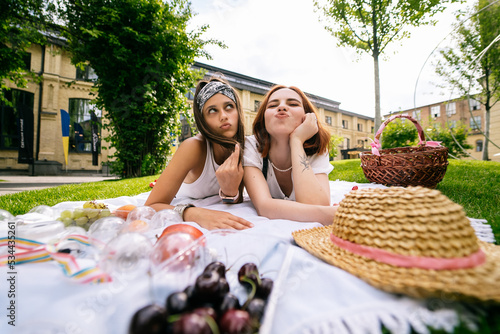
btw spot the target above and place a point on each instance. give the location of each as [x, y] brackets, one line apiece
[424, 165]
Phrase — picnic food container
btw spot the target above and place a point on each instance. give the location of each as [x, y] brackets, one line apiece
[424, 165]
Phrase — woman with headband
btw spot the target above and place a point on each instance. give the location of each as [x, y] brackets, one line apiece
[208, 163]
[286, 160]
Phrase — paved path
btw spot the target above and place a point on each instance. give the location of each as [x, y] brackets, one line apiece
[10, 184]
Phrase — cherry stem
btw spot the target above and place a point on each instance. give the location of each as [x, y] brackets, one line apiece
[252, 292]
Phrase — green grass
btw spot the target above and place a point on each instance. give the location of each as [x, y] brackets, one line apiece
[21, 203]
[473, 184]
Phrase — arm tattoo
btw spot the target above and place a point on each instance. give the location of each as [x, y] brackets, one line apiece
[304, 161]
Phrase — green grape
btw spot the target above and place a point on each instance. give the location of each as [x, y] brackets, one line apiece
[66, 214]
[91, 213]
[78, 213]
[67, 221]
[81, 221]
[105, 213]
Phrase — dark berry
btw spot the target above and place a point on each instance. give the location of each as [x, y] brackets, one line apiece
[177, 302]
[191, 323]
[256, 308]
[229, 302]
[207, 286]
[235, 322]
[219, 267]
[265, 287]
[249, 273]
[206, 312]
[150, 319]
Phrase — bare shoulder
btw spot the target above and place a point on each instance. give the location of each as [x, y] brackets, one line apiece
[192, 150]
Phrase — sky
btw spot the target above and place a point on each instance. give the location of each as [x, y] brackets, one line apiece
[284, 42]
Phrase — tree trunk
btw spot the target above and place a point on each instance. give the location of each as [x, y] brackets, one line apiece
[377, 92]
[486, 133]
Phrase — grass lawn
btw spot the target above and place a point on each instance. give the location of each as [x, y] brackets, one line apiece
[473, 184]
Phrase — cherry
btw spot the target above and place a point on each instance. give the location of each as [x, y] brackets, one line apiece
[217, 266]
[206, 312]
[207, 286]
[249, 273]
[256, 308]
[191, 323]
[235, 322]
[229, 301]
[149, 319]
[177, 302]
[223, 287]
[189, 291]
[264, 288]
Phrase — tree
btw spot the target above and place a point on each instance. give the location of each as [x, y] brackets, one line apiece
[21, 24]
[370, 26]
[142, 55]
[334, 143]
[399, 133]
[474, 64]
[454, 138]
[403, 133]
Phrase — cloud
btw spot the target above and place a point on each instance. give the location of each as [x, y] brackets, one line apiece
[282, 41]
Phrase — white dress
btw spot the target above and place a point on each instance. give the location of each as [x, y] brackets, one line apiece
[319, 162]
[206, 185]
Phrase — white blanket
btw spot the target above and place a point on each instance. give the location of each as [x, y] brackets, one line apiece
[309, 296]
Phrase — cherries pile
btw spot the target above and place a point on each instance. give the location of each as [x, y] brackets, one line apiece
[208, 306]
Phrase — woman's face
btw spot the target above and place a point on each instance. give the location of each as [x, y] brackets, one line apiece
[284, 112]
[221, 115]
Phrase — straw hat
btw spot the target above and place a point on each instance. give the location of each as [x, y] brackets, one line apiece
[411, 240]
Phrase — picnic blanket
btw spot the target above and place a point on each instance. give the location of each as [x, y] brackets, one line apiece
[309, 296]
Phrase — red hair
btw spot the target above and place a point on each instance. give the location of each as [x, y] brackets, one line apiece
[316, 144]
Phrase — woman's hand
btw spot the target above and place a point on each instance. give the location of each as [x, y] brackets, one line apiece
[307, 129]
[230, 173]
[212, 219]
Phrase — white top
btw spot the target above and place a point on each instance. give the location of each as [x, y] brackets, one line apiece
[320, 164]
[206, 185]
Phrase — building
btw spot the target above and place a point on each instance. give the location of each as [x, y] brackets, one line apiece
[31, 130]
[467, 111]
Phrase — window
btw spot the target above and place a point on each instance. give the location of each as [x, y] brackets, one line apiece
[416, 115]
[80, 125]
[256, 105]
[87, 73]
[328, 120]
[474, 104]
[361, 143]
[27, 61]
[451, 109]
[436, 111]
[344, 124]
[347, 143]
[22, 102]
[360, 127]
[479, 145]
[475, 122]
[373, 129]
[452, 124]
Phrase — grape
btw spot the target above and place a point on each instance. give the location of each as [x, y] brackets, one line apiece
[81, 221]
[66, 214]
[91, 213]
[77, 213]
[105, 213]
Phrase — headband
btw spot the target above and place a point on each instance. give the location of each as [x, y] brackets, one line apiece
[212, 88]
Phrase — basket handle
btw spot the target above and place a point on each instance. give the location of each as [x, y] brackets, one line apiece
[376, 145]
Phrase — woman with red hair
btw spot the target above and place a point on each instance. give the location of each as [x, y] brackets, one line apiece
[286, 160]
